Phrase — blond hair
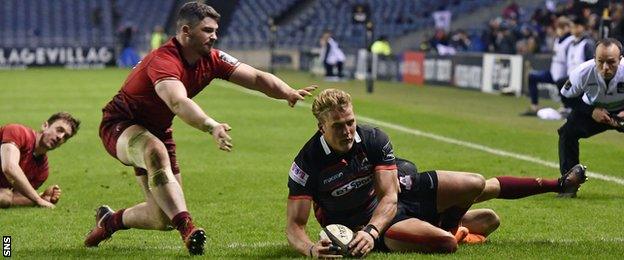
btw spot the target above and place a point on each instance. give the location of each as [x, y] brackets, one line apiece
[330, 100]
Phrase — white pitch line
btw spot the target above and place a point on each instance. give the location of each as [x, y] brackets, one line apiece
[257, 244]
[445, 139]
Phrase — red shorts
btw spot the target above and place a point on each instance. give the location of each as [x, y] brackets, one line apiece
[111, 129]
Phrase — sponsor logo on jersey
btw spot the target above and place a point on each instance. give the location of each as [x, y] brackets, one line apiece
[406, 182]
[388, 152]
[354, 184]
[332, 178]
[620, 87]
[567, 85]
[298, 175]
[227, 58]
[364, 165]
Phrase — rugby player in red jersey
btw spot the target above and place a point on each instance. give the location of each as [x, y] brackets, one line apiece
[136, 124]
[25, 163]
[349, 174]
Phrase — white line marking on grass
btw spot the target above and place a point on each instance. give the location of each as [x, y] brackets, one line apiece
[256, 244]
[570, 241]
[444, 139]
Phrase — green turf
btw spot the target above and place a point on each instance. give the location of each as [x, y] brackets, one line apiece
[240, 197]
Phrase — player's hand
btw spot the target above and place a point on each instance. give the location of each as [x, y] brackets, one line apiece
[324, 249]
[52, 194]
[300, 94]
[44, 203]
[223, 140]
[362, 244]
[621, 115]
[601, 115]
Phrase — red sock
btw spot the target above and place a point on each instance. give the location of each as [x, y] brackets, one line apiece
[517, 187]
[183, 223]
[450, 218]
[115, 222]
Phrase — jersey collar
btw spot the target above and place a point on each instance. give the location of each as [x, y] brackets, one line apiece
[178, 46]
[326, 148]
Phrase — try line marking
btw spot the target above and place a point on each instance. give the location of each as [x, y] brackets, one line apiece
[441, 138]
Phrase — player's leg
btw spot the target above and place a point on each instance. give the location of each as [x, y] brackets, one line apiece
[146, 215]
[510, 187]
[456, 192]
[138, 147]
[145, 151]
[480, 223]
[414, 235]
[6, 198]
[577, 126]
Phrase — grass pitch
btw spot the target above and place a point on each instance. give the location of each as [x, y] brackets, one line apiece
[240, 197]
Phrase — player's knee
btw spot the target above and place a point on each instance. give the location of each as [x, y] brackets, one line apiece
[491, 220]
[156, 153]
[159, 220]
[475, 183]
[6, 198]
[160, 177]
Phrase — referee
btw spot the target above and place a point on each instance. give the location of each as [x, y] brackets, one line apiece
[596, 92]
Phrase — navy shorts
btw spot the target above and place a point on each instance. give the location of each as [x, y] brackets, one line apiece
[418, 199]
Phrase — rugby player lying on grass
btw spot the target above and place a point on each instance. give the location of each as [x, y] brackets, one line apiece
[25, 163]
[351, 174]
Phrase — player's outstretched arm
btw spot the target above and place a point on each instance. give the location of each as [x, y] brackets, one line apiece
[297, 213]
[10, 155]
[267, 83]
[173, 93]
[387, 189]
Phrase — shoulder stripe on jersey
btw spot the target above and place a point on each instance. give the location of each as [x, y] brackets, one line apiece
[325, 146]
[300, 197]
[385, 167]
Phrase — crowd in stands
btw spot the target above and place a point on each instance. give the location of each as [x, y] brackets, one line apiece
[518, 31]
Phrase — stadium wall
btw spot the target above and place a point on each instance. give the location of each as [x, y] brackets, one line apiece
[70, 57]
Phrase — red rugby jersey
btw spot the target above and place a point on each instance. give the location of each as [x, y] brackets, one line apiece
[35, 168]
[137, 100]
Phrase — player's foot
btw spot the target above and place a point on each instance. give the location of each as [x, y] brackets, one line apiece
[195, 241]
[571, 181]
[461, 233]
[473, 239]
[99, 233]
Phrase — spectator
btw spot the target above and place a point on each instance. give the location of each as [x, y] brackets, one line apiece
[332, 56]
[460, 41]
[557, 73]
[158, 37]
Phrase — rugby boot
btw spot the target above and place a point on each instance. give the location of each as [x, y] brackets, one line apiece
[571, 181]
[473, 239]
[195, 241]
[99, 232]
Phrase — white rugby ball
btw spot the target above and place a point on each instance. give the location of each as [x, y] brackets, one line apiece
[339, 235]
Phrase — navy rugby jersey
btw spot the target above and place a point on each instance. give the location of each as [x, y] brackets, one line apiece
[341, 185]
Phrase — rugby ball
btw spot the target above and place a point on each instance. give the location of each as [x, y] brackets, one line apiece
[339, 235]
